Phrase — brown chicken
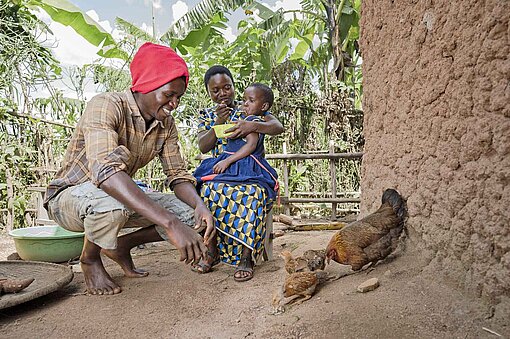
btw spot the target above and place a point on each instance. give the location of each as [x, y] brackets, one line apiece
[372, 238]
[293, 265]
[311, 260]
[297, 288]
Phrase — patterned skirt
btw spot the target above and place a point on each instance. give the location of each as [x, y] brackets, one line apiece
[239, 213]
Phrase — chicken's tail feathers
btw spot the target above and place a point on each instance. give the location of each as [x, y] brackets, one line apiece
[395, 200]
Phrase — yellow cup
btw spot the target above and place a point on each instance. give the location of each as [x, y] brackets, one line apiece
[219, 130]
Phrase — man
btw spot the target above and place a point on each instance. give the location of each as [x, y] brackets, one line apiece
[93, 191]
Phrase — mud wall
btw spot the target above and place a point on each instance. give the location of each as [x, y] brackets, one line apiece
[437, 128]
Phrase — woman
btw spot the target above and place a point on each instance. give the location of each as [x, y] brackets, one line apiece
[239, 211]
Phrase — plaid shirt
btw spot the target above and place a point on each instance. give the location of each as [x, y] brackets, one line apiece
[111, 137]
[206, 122]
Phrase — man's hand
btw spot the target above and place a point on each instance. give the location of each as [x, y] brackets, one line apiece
[204, 220]
[221, 166]
[189, 243]
[241, 129]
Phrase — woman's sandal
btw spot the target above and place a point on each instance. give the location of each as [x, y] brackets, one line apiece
[243, 267]
[203, 267]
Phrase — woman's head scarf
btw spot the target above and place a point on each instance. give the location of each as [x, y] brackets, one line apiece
[155, 65]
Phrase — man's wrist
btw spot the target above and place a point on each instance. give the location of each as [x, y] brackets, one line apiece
[172, 222]
[179, 181]
[199, 203]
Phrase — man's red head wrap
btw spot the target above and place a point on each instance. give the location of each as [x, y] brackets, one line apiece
[155, 65]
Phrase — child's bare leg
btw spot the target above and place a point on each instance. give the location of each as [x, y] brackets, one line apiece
[98, 281]
[122, 254]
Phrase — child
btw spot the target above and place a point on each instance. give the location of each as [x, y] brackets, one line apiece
[243, 160]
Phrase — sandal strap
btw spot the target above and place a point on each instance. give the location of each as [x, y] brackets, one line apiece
[201, 267]
[248, 270]
[243, 269]
[211, 254]
[215, 257]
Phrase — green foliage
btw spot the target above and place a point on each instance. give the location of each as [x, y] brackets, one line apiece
[66, 13]
[24, 63]
[21, 150]
[137, 35]
[111, 79]
[59, 108]
[199, 16]
[318, 104]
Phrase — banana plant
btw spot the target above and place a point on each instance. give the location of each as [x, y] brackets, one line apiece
[64, 12]
[333, 24]
[200, 16]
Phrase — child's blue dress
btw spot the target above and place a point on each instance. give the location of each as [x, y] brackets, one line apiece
[253, 169]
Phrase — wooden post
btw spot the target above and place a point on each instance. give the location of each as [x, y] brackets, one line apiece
[10, 201]
[267, 254]
[332, 170]
[286, 209]
[41, 217]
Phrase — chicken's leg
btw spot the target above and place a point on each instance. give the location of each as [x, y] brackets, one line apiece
[304, 298]
[289, 300]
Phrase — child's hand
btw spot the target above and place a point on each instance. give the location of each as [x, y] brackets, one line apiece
[220, 167]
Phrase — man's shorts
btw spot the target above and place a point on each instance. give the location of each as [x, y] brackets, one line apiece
[86, 208]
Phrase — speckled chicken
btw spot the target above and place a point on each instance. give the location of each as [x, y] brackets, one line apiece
[298, 287]
[293, 265]
[372, 238]
[315, 259]
[311, 260]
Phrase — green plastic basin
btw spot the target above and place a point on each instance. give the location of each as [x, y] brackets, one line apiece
[47, 243]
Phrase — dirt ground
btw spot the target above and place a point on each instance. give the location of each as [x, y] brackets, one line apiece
[173, 302]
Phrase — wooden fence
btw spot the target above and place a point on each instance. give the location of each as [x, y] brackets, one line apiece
[328, 197]
[287, 198]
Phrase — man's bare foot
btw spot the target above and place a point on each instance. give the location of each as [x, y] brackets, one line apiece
[97, 279]
[123, 258]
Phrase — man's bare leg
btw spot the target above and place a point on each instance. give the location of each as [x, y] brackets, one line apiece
[98, 281]
[122, 254]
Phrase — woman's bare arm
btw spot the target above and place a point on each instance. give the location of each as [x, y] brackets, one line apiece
[206, 140]
[270, 126]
